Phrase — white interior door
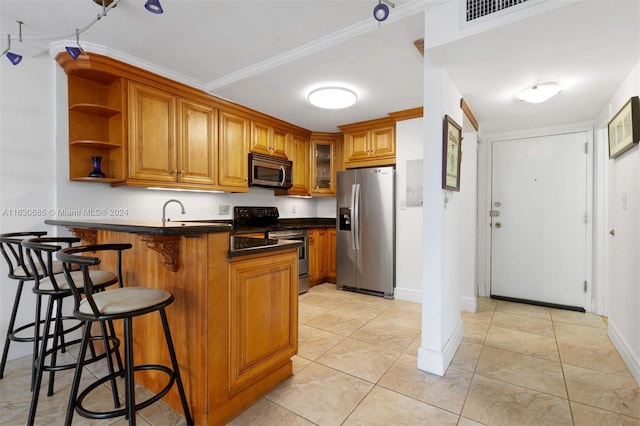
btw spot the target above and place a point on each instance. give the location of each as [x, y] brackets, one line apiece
[539, 236]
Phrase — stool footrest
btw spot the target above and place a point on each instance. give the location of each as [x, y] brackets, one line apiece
[113, 347]
[117, 413]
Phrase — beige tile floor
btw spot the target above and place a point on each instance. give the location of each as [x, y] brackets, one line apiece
[356, 365]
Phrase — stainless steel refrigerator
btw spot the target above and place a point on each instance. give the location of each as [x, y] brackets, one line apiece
[365, 223]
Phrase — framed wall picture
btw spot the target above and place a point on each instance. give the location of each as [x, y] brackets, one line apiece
[451, 154]
[624, 128]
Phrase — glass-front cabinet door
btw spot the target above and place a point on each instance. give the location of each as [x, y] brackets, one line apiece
[323, 163]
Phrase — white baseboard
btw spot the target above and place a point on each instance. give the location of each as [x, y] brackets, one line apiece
[468, 304]
[630, 358]
[437, 362]
[407, 294]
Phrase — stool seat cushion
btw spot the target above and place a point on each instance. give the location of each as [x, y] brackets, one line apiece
[20, 272]
[123, 300]
[98, 278]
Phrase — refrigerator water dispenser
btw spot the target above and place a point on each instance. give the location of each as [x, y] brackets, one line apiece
[345, 219]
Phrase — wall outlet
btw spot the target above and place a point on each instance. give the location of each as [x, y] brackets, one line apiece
[223, 209]
[293, 208]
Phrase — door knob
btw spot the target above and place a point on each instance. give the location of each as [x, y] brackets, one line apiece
[498, 225]
[612, 232]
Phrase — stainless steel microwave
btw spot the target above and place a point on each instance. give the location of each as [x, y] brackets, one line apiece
[270, 172]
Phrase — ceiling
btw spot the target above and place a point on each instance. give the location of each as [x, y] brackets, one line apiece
[268, 55]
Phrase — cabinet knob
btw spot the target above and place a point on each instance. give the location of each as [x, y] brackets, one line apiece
[173, 172]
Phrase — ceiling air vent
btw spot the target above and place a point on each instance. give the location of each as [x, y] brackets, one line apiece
[479, 8]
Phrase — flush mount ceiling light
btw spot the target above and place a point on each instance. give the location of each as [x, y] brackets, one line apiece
[332, 97]
[539, 93]
[153, 6]
[381, 11]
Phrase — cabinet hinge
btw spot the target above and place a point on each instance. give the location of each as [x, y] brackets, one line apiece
[585, 286]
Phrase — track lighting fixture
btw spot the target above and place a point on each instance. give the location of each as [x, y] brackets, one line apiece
[381, 11]
[13, 57]
[153, 6]
[75, 51]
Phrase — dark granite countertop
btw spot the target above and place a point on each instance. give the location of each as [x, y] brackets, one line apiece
[238, 246]
[149, 227]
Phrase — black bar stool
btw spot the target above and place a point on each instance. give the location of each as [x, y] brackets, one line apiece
[10, 246]
[39, 253]
[121, 303]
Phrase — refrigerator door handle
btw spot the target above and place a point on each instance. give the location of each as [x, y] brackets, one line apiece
[355, 219]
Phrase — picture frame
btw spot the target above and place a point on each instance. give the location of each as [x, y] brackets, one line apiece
[451, 154]
[624, 128]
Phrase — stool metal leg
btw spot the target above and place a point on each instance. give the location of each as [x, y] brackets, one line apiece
[176, 368]
[114, 387]
[86, 335]
[130, 391]
[40, 367]
[57, 333]
[12, 323]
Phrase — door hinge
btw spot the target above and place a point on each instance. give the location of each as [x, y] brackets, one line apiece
[585, 286]
[586, 217]
[586, 147]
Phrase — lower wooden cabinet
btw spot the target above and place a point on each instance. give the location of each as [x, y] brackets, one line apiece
[331, 255]
[322, 255]
[264, 316]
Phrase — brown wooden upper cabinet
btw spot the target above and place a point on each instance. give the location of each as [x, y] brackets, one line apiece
[171, 139]
[369, 143]
[268, 140]
[324, 163]
[234, 147]
[298, 152]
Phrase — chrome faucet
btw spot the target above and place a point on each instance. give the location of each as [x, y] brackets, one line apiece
[164, 208]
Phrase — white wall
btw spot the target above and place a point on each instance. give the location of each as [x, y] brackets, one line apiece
[467, 228]
[27, 160]
[409, 251]
[624, 216]
[446, 217]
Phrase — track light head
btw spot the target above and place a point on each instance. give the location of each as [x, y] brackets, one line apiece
[14, 58]
[381, 11]
[153, 6]
[74, 52]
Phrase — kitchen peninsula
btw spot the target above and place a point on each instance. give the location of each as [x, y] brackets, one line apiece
[234, 320]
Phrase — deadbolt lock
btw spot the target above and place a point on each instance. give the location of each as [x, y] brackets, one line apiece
[498, 225]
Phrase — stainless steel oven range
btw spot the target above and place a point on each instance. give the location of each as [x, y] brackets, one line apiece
[264, 220]
[303, 253]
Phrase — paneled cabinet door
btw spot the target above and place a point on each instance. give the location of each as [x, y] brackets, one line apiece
[323, 165]
[152, 140]
[263, 317]
[197, 153]
[356, 145]
[382, 142]
[331, 255]
[317, 253]
[299, 154]
[267, 140]
[233, 151]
